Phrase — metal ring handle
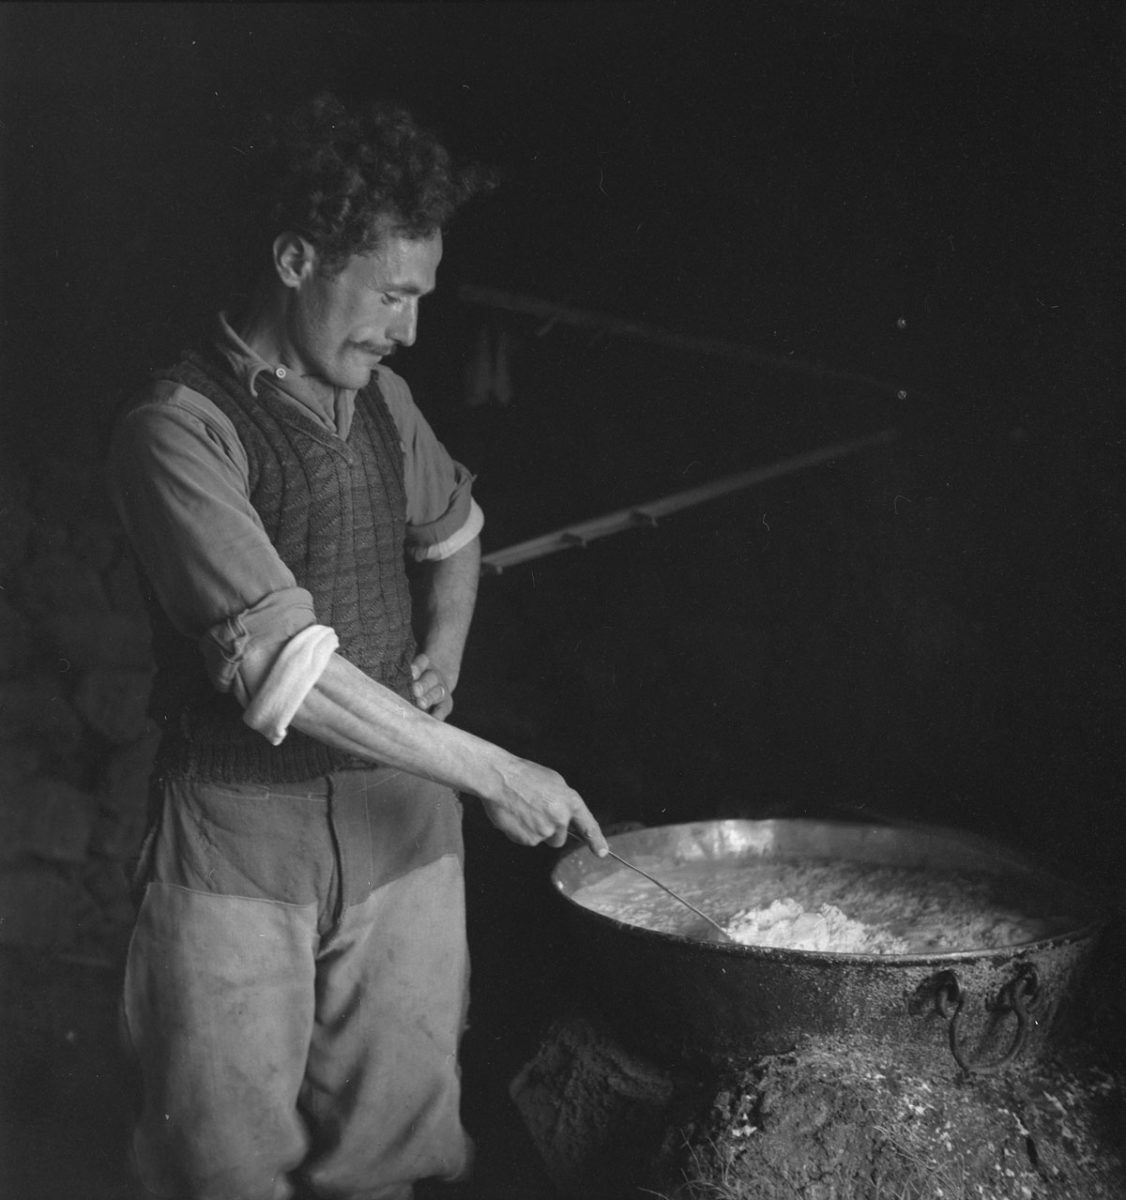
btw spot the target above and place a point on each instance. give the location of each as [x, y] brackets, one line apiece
[1020, 994]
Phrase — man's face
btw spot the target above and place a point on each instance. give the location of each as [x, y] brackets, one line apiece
[340, 326]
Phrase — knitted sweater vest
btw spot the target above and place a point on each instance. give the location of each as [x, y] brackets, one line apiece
[336, 513]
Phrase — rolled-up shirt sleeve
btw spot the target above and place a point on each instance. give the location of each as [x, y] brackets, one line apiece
[177, 476]
[442, 515]
[295, 670]
[178, 473]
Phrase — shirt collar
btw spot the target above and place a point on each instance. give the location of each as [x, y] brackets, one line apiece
[248, 367]
[244, 363]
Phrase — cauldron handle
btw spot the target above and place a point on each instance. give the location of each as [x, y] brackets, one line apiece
[1020, 994]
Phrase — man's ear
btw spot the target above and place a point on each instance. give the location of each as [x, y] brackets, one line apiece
[294, 258]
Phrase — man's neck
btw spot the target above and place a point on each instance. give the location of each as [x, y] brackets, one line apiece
[261, 326]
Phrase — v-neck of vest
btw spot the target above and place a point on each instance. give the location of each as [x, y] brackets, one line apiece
[289, 413]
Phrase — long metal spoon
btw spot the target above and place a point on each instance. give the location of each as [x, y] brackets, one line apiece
[664, 887]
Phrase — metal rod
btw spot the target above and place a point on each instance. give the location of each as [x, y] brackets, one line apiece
[557, 313]
[664, 887]
[647, 514]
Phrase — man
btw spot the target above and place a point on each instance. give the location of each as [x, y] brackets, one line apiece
[297, 979]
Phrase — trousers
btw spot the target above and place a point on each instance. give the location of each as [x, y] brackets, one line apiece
[296, 989]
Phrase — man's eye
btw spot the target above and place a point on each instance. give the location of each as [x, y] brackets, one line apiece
[390, 300]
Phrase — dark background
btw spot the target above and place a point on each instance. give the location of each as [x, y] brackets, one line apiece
[926, 195]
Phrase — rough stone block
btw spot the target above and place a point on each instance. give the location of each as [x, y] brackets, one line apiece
[37, 707]
[125, 782]
[105, 883]
[13, 820]
[117, 836]
[123, 799]
[123, 588]
[58, 582]
[114, 702]
[19, 760]
[16, 647]
[67, 483]
[57, 819]
[47, 538]
[61, 821]
[83, 640]
[97, 540]
[596, 1112]
[39, 907]
[15, 532]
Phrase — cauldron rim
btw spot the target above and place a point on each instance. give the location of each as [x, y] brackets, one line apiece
[1096, 918]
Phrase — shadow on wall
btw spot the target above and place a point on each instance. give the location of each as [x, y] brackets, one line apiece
[929, 633]
[76, 746]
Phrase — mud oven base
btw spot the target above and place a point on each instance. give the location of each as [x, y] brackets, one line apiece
[830, 1121]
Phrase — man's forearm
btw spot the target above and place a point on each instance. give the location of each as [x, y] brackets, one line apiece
[529, 803]
[445, 593]
[349, 710]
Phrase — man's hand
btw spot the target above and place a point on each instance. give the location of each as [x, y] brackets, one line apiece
[443, 593]
[431, 689]
[536, 805]
[529, 803]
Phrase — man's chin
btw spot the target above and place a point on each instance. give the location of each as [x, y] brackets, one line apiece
[362, 364]
[357, 374]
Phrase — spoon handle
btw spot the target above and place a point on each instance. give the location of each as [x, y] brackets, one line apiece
[664, 888]
[674, 895]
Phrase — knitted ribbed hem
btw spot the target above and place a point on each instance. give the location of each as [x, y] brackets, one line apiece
[292, 762]
[213, 745]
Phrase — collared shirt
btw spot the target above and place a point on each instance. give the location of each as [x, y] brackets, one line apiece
[178, 475]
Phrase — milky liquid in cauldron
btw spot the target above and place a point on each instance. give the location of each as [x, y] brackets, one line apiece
[832, 906]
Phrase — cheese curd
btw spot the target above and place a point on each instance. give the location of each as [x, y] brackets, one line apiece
[834, 906]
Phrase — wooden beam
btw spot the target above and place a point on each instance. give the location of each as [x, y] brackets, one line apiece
[603, 323]
[580, 534]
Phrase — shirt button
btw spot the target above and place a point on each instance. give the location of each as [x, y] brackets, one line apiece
[280, 372]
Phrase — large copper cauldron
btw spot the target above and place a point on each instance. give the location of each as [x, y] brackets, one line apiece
[682, 999]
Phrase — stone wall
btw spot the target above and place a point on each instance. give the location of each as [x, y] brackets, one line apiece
[76, 746]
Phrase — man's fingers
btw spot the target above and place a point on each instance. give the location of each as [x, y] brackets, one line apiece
[585, 823]
[429, 688]
[542, 808]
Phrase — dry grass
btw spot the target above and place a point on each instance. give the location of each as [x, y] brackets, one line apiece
[927, 1178]
[917, 1176]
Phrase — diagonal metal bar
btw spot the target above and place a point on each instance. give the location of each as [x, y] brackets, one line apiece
[578, 535]
[604, 323]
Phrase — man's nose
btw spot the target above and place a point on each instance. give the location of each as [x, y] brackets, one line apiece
[405, 327]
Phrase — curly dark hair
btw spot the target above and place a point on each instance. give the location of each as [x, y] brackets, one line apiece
[331, 174]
